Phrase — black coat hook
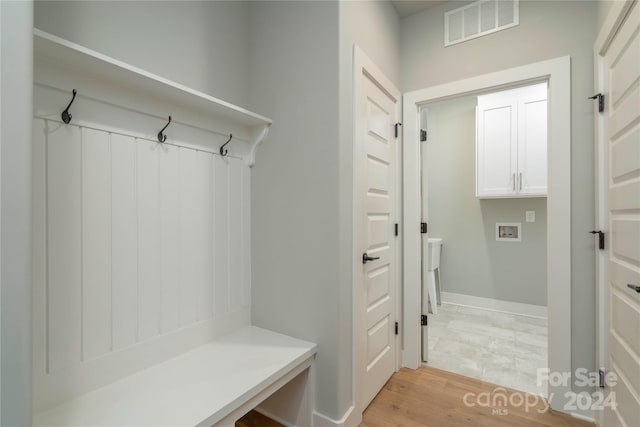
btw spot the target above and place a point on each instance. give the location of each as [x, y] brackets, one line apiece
[161, 136]
[66, 116]
[223, 151]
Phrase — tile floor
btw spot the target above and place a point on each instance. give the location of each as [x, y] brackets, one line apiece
[501, 348]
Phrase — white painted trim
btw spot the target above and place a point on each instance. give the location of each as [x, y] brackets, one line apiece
[586, 414]
[350, 418]
[586, 418]
[411, 240]
[521, 309]
[558, 72]
[258, 135]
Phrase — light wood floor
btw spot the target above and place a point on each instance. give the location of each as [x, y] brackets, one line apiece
[431, 397]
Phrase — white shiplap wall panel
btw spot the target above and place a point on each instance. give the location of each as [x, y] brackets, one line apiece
[190, 237]
[124, 242]
[96, 244]
[203, 215]
[149, 289]
[64, 192]
[222, 232]
[246, 237]
[235, 229]
[141, 252]
[39, 230]
[170, 230]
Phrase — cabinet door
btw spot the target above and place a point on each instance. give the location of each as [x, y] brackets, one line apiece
[496, 153]
[532, 142]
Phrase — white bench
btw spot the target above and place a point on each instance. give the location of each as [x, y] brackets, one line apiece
[215, 384]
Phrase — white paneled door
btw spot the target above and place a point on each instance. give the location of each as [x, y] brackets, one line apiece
[621, 74]
[376, 141]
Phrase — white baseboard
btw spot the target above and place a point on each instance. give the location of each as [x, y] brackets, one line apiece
[588, 417]
[529, 310]
[351, 418]
[585, 414]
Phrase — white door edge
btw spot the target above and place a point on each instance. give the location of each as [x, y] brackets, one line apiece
[612, 23]
[609, 29]
[557, 72]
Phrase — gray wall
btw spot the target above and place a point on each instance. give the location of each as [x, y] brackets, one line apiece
[204, 45]
[295, 285]
[604, 7]
[16, 87]
[472, 262]
[547, 30]
[303, 227]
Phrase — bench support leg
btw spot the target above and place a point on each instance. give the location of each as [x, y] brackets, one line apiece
[287, 400]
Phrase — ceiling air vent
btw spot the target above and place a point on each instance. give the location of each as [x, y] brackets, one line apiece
[478, 19]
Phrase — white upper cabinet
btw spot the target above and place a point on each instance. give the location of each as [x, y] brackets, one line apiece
[511, 143]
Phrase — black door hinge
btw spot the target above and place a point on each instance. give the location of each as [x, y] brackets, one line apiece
[396, 229]
[423, 320]
[600, 101]
[396, 128]
[601, 383]
[600, 238]
[423, 228]
[423, 135]
[396, 328]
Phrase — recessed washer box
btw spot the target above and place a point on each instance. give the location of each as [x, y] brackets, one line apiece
[508, 231]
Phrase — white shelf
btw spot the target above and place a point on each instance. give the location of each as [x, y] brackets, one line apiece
[103, 70]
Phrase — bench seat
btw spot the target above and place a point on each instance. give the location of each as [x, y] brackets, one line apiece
[215, 383]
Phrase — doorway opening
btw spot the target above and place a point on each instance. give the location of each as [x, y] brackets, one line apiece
[558, 248]
[484, 273]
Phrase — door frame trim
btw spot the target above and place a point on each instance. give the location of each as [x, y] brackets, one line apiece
[363, 64]
[609, 29]
[558, 72]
